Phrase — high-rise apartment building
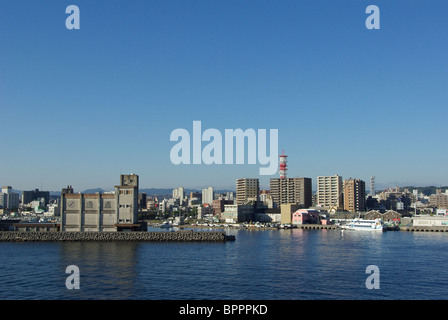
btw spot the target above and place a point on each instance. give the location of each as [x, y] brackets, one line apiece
[354, 195]
[179, 193]
[439, 200]
[247, 189]
[207, 195]
[329, 192]
[291, 190]
[9, 199]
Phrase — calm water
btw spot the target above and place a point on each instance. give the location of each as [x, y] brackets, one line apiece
[262, 265]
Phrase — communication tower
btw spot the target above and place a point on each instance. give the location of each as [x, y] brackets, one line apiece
[283, 165]
[372, 186]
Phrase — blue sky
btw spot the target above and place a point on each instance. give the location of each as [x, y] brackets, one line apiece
[81, 107]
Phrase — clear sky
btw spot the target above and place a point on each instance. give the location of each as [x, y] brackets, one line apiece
[81, 107]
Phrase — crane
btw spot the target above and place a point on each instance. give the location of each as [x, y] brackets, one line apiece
[335, 206]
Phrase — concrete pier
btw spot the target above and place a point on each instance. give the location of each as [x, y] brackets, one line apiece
[317, 226]
[143, 236]
[425, 229]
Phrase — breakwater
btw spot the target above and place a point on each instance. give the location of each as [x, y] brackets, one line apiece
[173, 236]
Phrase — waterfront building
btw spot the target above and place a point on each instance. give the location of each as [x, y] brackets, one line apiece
[305, 216]
[373, 214]
[207, 195]
[102, 212]
[247, 190]
[237, 213]
[430, 221]
[329, 192]
[291, 190]
[354, 195]
[269, 215]
[286, 211]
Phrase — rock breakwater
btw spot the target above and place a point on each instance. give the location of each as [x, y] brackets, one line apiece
[179, 236]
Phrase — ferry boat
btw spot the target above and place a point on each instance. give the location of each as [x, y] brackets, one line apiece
[361, 224]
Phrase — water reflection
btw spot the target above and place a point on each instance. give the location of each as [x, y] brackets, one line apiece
[107, 270]
[260, 264]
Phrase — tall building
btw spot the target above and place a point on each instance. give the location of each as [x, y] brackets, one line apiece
[142, 200]
[102, 212]
[28, 196]
[247, 189]
[9, 199]
[291, 190]
[179, 193]
[439, 200]
[329, 192]
[354, 195]
[207, 196]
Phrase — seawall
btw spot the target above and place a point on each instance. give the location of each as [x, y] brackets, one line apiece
[173, 236]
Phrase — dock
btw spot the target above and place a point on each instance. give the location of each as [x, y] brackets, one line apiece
[316, 226]
[424, 228]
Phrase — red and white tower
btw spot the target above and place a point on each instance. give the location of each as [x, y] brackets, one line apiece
[283, 165]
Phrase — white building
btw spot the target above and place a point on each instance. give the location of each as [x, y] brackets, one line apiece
[430, 221]
[179, 193]
[207, 195]
[9, 199]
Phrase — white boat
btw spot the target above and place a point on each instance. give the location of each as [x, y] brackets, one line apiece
[361, 224]
[166, 224]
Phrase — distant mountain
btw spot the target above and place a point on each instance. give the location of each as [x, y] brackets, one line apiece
[99, 190]
[169, 191]
[156, 191]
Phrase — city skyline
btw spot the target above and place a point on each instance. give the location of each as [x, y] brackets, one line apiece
[81, 106]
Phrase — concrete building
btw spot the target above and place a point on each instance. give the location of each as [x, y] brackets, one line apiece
[439, 200]
[207, 195]
[247, 190]
[142, 201]
[179, 193]
[430, 221]
[28, 196]
[203, 212]
[237, 213]
[286, 211]
[291, 190]
[8, 199]
[102, 212]
[329, 192]
[354, 195]
[218, 205]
